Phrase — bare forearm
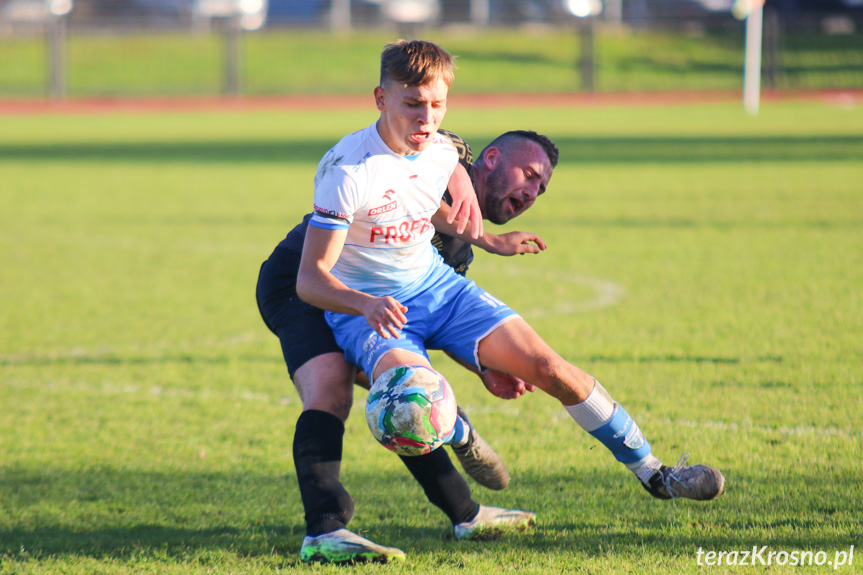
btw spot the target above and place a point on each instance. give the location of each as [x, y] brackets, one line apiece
[508, 244]
[322, 289]
[465, 207]
[318, 286]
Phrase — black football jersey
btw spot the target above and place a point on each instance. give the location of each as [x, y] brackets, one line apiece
[456, 253]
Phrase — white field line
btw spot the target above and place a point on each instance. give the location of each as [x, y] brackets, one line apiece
[115, 389]
[106, 351]
[513, 411]
[606, 293]
[137, 244]
[169, 392]
[748, 427]
[208, 394]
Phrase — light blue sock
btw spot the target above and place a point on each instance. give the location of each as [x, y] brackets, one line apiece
[623, 438]
[460, 432]
[608, 422]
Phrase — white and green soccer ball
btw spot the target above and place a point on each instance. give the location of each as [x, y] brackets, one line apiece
[411, 410]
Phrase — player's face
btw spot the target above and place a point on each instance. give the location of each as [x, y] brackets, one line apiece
[514, 182]
[410, 115]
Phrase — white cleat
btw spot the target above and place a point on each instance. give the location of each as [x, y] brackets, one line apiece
[343, 546]
[492, 522]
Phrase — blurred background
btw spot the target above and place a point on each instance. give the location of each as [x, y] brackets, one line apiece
[96, 48]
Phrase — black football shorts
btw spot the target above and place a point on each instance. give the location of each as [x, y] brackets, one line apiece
[300, 327]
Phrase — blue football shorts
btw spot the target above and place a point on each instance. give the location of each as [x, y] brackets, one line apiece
[451, 313]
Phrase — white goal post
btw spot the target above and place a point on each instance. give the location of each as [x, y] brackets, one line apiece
[753, 11]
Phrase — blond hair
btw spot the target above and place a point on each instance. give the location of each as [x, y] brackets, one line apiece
[416, 63]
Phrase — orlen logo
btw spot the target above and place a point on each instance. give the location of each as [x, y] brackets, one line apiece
[403, 232]
[383, 209]
[388, 207]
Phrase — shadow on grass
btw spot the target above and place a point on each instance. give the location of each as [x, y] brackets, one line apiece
[509, 58]
[188, 358]
[574, 150]
[679, 359]
[645, 63]
[563, 219]
[106, 513]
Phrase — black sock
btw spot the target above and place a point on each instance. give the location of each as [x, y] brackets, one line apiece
[443, 485]
[317, 458]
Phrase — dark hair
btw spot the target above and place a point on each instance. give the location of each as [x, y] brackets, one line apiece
[509, 140]
[416, 63]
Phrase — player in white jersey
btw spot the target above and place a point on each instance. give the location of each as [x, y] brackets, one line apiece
[446, 311]
[324, 379]
[385, 202]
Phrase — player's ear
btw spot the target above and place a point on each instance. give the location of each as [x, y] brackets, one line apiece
[491, 157]
[380, 95]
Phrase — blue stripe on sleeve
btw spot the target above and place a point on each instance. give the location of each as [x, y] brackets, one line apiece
[329, 224]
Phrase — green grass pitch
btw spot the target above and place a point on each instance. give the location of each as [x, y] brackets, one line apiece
[706, 266]
[542, 60]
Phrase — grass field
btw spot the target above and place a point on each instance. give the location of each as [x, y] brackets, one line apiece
[705, 265]
[539, 61]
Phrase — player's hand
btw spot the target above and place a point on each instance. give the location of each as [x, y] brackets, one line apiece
[512, 243]
[505, 386]
[465, 205]
[464, 211]
[386, 316]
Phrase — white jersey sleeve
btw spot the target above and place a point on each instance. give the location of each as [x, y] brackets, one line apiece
[336, 194]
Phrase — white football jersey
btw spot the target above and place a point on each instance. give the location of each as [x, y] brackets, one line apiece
[386, 202]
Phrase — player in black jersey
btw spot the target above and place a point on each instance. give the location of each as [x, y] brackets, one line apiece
[324, 379]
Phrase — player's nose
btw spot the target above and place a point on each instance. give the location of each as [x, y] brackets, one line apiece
[425, 115]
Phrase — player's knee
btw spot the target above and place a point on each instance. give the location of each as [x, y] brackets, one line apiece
[547, 370]
[335, 400]
[560, 379]
[341, 408]
[326, 386]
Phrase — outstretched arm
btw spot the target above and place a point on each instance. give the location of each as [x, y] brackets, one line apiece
[318, 286]
[508, 244]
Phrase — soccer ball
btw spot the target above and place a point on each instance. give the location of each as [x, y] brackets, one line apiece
[411, 410]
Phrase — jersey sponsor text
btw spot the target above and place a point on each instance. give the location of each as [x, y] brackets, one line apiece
[383, 209]
[404, 232]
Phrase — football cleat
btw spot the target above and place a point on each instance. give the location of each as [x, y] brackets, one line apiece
[699, 482]
[492, 522]
[343, 546]
[479, 460]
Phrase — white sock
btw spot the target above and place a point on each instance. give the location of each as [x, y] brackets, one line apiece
[593, 412]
